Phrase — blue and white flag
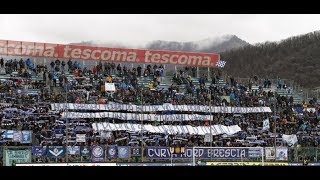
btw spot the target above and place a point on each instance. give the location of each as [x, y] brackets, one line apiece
[266, 125]
[221, 63]
[291, 140]
[39, 150]
[85, 151]
[97, 153]
[281, 153]
[8, 134]
[123, 152]
[17, 136]
[112, 152]
[56, 151]
[26, 137]
[73, 150]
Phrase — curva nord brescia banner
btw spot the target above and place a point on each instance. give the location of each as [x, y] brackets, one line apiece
[49, 50]
[157, 152]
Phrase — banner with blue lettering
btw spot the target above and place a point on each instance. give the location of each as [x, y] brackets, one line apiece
[56, 151]
[154, 152]
[73, 150]
[123, 152]
[135, 151]
[26, 137]
[85, 151]
[97, 153]
[112, 152]
[39, 150]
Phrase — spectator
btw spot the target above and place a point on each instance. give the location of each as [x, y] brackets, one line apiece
[1, 62]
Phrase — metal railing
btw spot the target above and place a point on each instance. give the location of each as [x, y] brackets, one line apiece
[298, 155]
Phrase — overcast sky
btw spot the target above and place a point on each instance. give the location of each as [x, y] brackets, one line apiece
[138, 29]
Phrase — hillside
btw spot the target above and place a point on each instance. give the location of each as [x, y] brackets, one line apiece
[294, 58]
[210, 45]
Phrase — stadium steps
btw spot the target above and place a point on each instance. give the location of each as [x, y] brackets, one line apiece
[297, 99]
[221, 82]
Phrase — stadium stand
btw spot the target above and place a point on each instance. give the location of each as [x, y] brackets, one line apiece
[30, 121]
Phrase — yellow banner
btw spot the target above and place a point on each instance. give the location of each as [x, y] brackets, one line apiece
[246, 164]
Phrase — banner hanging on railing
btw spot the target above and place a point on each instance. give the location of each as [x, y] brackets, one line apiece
[123, 152]
[270, 153]
[26, 137]
[156, 152]
[167, 129]
[112, 152]
[97, 153]
[85, 151]
[56, 151]
[39, 150]
[16, 156]
[281, 153]
[158, 108]
[73, 150]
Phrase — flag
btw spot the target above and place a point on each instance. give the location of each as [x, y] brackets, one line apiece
[291, 140]
[123, 152]
[7, 134]
[17, 136]
[221, 63]
[266, 125]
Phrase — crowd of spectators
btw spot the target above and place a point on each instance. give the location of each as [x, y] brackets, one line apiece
[27, 90]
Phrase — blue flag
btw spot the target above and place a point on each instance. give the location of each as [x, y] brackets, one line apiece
[26, 137]
[123, 152]
[39, 150]
[112, 152]
[56, 151]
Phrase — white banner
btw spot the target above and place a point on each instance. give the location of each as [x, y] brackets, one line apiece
[281, 153]
[270, 153]
[170, 129]
[80, 137]
[105, 134]
[154, 108]
[266, 125]
[137, 117]
[291, 140]
[110, 87]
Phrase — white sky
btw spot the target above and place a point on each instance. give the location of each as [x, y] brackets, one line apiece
[140, 28]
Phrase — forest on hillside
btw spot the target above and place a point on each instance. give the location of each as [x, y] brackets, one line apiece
[295, 58]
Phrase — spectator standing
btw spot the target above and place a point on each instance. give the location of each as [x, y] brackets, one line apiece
[139, 70]
[1, 62]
